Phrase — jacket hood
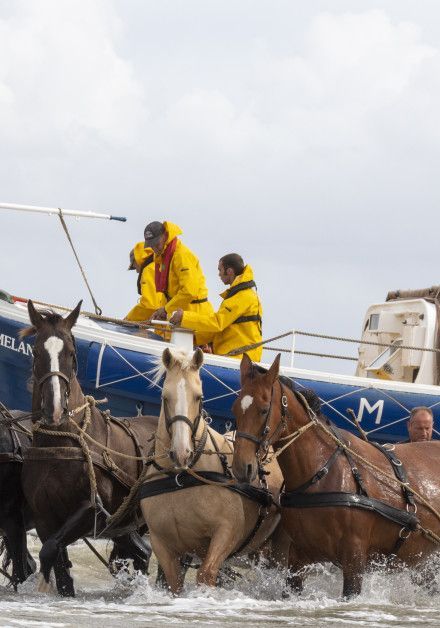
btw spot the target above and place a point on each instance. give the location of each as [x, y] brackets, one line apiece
[172, 230]
[141, 253]
[246, 275]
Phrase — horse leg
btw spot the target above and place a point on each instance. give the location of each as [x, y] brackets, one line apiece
[280, 543]
[133, 546]
[76, 526]
[295, 571]
[353, 568]
[222, 543]
[62, 574]
[169, 564]
[15, 534]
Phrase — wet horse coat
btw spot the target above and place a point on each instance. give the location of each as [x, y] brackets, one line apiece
[350, 537]
[58, 482]
[208, 520]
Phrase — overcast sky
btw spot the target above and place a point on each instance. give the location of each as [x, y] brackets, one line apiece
[303, 135]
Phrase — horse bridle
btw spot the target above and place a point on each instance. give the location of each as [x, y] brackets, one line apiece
[67, 379]
[169, 421]
[265, 442]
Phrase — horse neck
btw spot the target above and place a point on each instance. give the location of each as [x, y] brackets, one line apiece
[305, 456]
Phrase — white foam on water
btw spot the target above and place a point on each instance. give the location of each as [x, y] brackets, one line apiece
[388, 599]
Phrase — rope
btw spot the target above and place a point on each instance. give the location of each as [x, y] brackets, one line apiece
[98, 317]
[317, 355]
[327, 337]
[291, 438]
[95, 551]
[63, 223]
[206, 481]
[82, 443]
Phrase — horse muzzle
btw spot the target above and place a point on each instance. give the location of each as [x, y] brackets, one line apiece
[244, 471]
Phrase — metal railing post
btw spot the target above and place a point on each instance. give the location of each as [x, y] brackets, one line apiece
[292, 349]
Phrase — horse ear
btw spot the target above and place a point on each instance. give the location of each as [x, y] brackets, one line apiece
[197, 359]
[274, 370]
[73, 316]
[167, 358]
[245, 366]
[34, 315]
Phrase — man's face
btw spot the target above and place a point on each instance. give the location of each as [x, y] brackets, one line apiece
[225, 275]
[420, 427]
[160, 245]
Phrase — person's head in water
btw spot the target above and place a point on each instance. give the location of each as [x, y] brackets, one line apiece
[420, 424]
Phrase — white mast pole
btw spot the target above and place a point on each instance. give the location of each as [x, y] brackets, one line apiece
[57, 211]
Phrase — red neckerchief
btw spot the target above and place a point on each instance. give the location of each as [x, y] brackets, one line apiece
[162, 270]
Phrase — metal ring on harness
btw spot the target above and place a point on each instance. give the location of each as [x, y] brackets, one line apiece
[177, 480]
[402, 535]
[414, 506]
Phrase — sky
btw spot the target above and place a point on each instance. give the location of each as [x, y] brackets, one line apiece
[302, 135]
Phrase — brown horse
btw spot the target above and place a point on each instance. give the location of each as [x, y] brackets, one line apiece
[336, 506]
[72, 482]
[185, 515]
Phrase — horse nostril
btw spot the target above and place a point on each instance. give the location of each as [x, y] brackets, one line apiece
[171, 455]
[249, 471]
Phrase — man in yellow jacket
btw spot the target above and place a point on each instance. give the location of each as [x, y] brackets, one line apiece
[238, 321]
[179, 278]
[142, 260]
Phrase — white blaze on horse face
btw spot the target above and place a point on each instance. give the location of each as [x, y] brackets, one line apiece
[53, 346]
[246, 402]
[181, 441]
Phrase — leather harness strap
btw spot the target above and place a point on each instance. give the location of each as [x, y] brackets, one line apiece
[180, 481]
[316, 500]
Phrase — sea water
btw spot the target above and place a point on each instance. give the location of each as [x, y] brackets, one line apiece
[257, 597]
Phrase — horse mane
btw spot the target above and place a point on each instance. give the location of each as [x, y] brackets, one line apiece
[182, 356]
[49, 315]
[309, 395]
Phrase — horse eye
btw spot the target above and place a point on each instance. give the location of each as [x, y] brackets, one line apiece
[198, 397]
[264, 411]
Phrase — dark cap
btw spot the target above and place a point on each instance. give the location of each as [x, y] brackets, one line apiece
[132, 266]
[153, 232]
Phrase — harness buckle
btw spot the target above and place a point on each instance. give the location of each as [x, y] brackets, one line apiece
[284, 401]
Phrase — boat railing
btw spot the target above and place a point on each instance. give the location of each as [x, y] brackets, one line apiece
[293, 351]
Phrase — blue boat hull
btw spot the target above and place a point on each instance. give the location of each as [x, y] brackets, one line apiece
[122, 376]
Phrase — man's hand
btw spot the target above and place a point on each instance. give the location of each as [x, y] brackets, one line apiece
[160, 314]
[176, 318]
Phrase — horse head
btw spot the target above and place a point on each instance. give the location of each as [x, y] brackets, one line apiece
[181, 401]
[55, 364]
[257, 416]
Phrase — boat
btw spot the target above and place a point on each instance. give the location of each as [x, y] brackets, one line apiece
[398, 366]
[396, 370]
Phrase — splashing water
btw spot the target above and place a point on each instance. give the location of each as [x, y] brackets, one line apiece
[256, 598]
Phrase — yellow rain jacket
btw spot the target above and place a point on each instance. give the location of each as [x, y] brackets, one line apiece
[237, 322]
[186, 282]
[149, 300]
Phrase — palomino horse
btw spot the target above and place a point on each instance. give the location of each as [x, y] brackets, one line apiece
[72, 475]
[337, 507]
[204, 518]
[14, 513]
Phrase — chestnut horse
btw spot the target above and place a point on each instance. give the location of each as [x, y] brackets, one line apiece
[72, 482]
[185, 515]
[336, 507]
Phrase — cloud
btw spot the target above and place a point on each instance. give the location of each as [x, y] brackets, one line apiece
[62, 80]
[314, 157]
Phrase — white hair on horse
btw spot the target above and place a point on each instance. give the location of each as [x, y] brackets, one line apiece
[182, 357]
